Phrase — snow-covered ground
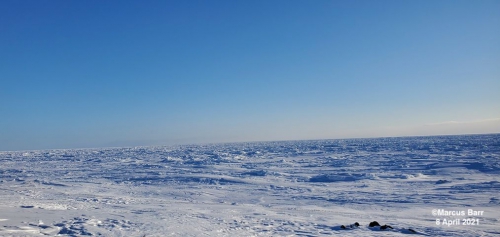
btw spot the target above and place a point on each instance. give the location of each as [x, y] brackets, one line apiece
[292, 188]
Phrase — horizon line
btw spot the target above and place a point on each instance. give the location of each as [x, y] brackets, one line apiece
[255, 141]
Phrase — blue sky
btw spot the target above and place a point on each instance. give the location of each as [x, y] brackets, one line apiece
[125, 73]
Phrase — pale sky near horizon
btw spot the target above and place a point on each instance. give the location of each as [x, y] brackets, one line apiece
[80, 74]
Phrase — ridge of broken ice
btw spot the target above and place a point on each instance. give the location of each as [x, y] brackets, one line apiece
[306, 188]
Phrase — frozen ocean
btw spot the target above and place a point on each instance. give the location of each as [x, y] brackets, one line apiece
[431, 186]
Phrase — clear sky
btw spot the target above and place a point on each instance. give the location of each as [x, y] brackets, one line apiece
[124, 73]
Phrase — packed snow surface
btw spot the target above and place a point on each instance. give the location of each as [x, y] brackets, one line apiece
[290, 188]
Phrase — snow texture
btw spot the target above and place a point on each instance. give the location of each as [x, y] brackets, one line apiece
[290, 188]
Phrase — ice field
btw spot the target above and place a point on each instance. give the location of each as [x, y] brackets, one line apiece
[289, 188]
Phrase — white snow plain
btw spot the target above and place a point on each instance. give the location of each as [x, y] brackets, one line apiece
[290, 188]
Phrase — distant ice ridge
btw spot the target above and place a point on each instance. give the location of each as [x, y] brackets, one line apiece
[308, 188]
[345, 177]
[339, 177]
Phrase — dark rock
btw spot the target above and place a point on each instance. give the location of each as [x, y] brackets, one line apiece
[351, 226]
[373, 223]
[385, 227]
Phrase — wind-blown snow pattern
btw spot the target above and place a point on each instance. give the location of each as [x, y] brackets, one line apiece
[289, 188]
